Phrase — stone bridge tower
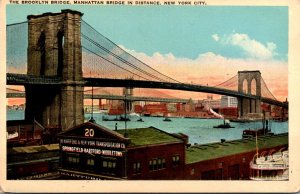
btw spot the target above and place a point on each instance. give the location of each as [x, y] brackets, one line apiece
[247, 79]
[54, 49]
[128, 92]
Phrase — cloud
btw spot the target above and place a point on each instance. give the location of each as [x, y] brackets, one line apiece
[212, 69]
[251, 48]
[216, 37]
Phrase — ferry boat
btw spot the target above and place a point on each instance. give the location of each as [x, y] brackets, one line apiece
[271, 167]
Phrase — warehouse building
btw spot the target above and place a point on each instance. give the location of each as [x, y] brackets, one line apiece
[91, 151]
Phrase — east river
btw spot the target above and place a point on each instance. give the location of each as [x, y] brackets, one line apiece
[200, 131]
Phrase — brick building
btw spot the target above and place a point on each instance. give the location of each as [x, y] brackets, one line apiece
[155, 109]
[90, 151]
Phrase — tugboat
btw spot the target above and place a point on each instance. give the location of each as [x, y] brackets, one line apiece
[167, 119]
[225, 125]
[250, 133]
[123, 119]
[140, 120]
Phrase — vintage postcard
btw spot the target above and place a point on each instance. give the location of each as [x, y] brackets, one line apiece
[149, 96]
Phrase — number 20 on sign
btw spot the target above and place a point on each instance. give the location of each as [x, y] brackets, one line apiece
[89, 132]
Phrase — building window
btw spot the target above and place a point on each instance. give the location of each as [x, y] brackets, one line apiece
[109, 166]
[136, 167]
[90, 163]
[193, 171]
[176, 160]
[157, 164]
[72, 160]
[220, 165]
[163, 163]
[244, 160]
[150, 165]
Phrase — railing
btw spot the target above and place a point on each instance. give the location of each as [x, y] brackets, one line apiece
[268, 166]
[270, 178]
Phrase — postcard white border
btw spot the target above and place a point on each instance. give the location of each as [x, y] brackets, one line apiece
[293, 185]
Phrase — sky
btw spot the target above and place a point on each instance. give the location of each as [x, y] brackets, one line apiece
[198, 44]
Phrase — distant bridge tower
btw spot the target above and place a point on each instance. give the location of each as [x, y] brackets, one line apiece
[128, 92]
[54, 49]
[249, 82]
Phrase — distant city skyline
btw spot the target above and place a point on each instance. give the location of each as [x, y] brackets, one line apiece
[204, 45]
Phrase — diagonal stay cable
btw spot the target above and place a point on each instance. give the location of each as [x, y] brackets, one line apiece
[113, 43]
[230, 79]
[102, 48]
[113, 63]
[8, 25]
[130, 54]
[267, 88]
[119, 58]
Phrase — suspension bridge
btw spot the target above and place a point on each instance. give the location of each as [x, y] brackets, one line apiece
[14, 93]
[56, 55]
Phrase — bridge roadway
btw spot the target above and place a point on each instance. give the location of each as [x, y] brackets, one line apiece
[23, 79]
[115, 97]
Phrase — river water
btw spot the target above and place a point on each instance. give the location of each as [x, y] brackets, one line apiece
[200, 131]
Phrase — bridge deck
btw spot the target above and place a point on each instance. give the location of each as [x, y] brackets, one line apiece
[22, 79]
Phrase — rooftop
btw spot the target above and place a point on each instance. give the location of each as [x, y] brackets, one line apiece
[149, 136]
[33, 149]
[216, 150]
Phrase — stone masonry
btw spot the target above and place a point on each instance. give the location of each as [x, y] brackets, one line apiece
[54, 49]
[247, 78]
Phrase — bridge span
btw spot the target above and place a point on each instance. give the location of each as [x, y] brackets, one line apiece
[23, 79]
[115, 97]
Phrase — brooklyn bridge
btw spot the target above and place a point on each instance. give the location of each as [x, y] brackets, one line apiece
[64, 54]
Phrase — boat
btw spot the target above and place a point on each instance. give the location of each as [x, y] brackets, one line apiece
[147, 114]
[250, 133]
[140, 120]
[134, 114]
[265, 130]
[167, 119]
[271, 167]
[107, 118]
[225, 125]
[121, 118]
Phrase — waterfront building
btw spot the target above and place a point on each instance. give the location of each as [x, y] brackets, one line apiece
[25, 133]
[212, 103]
[155, 109]
[33, 162]
[171, 107]
[137, 108]
[229, 112]
[228, 101]
[91, 151]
